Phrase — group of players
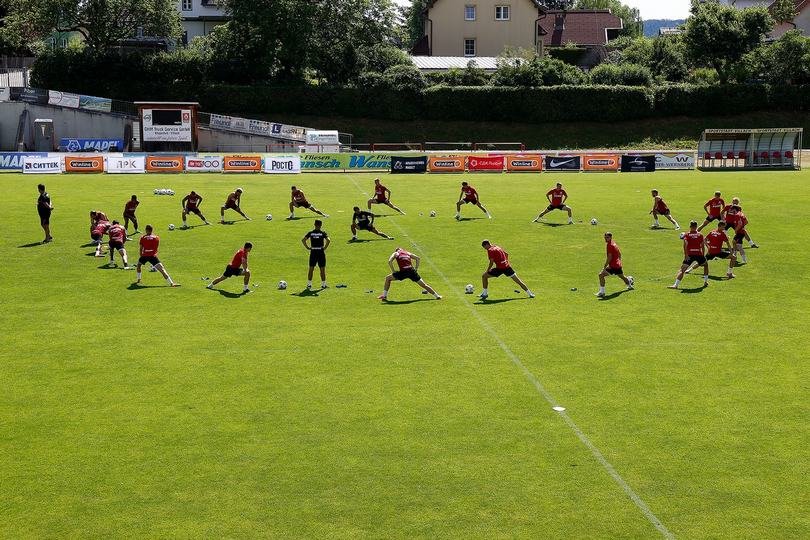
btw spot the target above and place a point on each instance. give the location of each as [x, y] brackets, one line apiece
[698, 249]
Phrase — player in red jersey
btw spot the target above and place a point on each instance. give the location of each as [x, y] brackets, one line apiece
[736, 222]
[118, 235]
[613, 266]
[469, 196]
[556, 201]
[149, 244]
[500, 259]
[714, 209]
[191, 205]
[97, 235]
[233, 202]
[736, 202]
[382, 195]
[660, 208]
[715, 241]
[96, 217]
[408, 269]
[129, 213]
[237, 267]
[299, 200]
[694, 244]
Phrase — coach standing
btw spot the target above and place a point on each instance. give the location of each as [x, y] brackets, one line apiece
[318, 242]
[44, 208]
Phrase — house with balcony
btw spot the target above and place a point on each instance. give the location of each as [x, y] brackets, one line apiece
[200, 17]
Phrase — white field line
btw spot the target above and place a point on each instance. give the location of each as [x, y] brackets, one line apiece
[651, 517]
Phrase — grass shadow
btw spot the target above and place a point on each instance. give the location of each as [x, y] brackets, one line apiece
[488, 302]
[405, 302]
[140, 286]
[614, 295]
[228, 294]
[294, 218]
[188, 228]
[306, 293]
[693, 290]
[547, 224]
[32, 244]
[470, 218]
[108, 266]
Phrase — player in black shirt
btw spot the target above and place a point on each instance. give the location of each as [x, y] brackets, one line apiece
[318, 242]
[365, 222]
[44, 208]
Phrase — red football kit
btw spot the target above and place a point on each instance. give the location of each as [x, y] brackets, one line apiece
[715, 240]
[660, 206]
[149, 245]
[557, 196]
[101, 228]
[192, 201]
[498, 256]
[716, 206]
[694, 244]
[742, 221]
[404, 260]
[238, 258]
[117, 233]
[130, 207]
[616, 259]
[469, 193]
[732, 220]
[379, 192]
[298, 196]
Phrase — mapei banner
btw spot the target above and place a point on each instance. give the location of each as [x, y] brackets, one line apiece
[563, 163]
[126, 165]
[42, 165]
[638, 163]
[164, 163]
[91, 145]
[489, 163]
[242, 163]
[63, 99]
[408, 165]
[13, 161]
[366, 162]
[601, 162]
[446, 164]
[204, 163]
[674, 161]
[282, 164]
[84, 164]
[524, 163]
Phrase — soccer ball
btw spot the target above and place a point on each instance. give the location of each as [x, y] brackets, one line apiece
[282, 285]
[593, 221]
[170, 191]
[171, 226]
[433, 213]
[157, 192]
[682, 235]
[469, 289]
[269, 217]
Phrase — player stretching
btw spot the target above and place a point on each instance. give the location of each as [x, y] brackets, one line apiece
[237, 267]
[233, 202]
[556, 201]
[148, 254]
[191, 205]
[736, 202]
[469, 196]
[714, 244]
[736, 221]
[382, 195]
[714, 209]
[118, 235]
[129, 213]
[44, 209]
[408, 269]
[613, 266]
[693, 253]
[365, 222]
[97, 234]
[299, 200]
[660, 208]
[500, 259]
[318, 242]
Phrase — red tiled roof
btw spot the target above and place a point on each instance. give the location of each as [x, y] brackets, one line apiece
[582, 27]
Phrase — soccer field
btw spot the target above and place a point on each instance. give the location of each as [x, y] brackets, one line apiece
[185, 412]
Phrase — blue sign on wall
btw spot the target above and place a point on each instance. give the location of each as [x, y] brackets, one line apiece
[12, 161]
[92, 145]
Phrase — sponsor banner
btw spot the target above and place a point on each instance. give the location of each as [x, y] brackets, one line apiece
[41, 165]
[674, 160]
[13, 161]
[258, 127]
[240, 124]
[282, 164]
[204, 163]
[638, 163]
[563, 163]
[126, 165]
[5, 93]
[491, 163]
[94, 145]
[409, 165]
[220, 121]
[242, 163]
[92, 103]
[84, 164]
[290, 132]
[33, 95]
[357, 162]
[446, 164]
[524, 163]
[166, 125]
[601, 162]
[164, 163]
[63, 99]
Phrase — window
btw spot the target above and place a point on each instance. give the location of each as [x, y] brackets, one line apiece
[469, 47]
[186, 5]
[63, 43]
[469, 13]
[501, 13]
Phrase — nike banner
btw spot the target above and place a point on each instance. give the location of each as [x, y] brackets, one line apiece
[563, 163]
[408, 165]
[638, 163]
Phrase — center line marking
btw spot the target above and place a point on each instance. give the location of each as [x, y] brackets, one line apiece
[651, 517]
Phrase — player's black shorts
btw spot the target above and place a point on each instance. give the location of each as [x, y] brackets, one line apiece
[496, 272]
[407, 274]
[154, 261]
[379, 200]
[364, 225]
[739, 237]
[317, 257]
[130, 216]
[44, 216]
[231, 271]
[700, 260]
[302, 204]
[231, 205]
[195, 210]
[116, 245]
[721, 255]
[664, 213]
[471, 201]
[556, 207]
[615, 271]
[709, 219]
[96, 236]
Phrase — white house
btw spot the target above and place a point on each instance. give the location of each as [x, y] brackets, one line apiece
[801, 22]
[199, 17]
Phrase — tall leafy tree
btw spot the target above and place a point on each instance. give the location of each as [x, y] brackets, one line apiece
[784, 11]
[631, 17]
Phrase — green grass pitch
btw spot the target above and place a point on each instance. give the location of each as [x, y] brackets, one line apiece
[189, 413]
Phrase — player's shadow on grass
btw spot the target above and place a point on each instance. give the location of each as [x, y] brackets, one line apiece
[614, 295]
[306, 293]
[295, 218]
[547, 224]
[32, 244]
[108, 266]
[469, 218]
[718, 278]
[694, 290]
[488, 302]
[405, 302]
[231, 295]
[141, 286]
[189, 227]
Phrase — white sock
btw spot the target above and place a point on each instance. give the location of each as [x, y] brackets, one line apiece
[529, 292]
[323, 284]
[436, 294]
[484, 291]
[246, 288]
[354, 237]
[705, 277]
[309, 284]
[602, 290]
[139, 276]
[385, 293]
[677, 282]
[169, 280]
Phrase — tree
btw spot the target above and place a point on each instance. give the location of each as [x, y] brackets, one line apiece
[720, 35]
[415, 21]
[784, 11]
[785, 61]
[102, 23]
[624, 75]
[631, 17]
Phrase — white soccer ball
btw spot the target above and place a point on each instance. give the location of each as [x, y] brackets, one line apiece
[682, 235]
[269, 217]
[170, 191]
[157, 192]
[433, 213]
[282, 284]
[171, 226]
[469, 289]
[594, 221]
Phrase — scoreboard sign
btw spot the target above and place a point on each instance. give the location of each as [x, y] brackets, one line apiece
[166, 125]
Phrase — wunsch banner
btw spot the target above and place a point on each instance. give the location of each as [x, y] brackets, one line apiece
[355, 162]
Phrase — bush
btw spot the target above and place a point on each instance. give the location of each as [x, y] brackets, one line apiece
[382, 56]
[716, 100]
[538, 71]
[622, 75]
[406, 78]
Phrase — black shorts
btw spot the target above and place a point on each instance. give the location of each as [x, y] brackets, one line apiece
[379, 200]
[407, 274]
[231, 205]
[709, 219]
[471, 201]
[149, 259]
[303, 204]
[700, 260]
[44, 217]
[364, 225]
[615, 271]
[116, 245]
[130, 216]
[195, 210]
[739, 237]
[721, 255]
[664, 213]
[96, 236]
[496, 272]
[317, 257]
[556, 207]
[231, 271]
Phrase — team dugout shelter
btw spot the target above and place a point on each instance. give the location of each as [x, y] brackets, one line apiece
[776, 148]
